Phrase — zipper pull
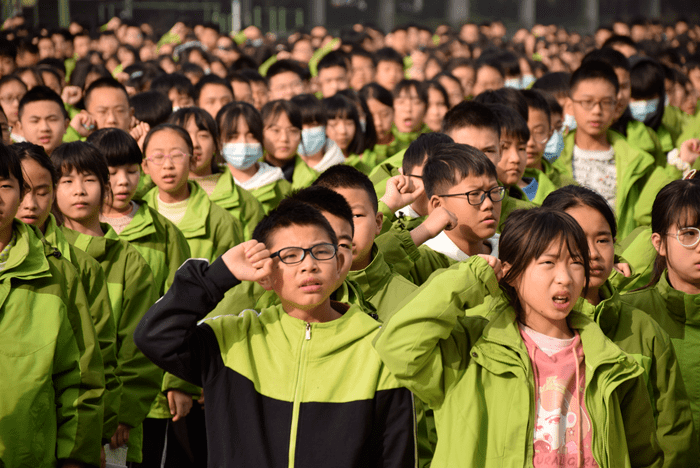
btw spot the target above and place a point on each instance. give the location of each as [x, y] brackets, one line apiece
[308, 331]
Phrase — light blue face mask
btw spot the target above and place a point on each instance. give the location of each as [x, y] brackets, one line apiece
[242, 155]
[569, 122]
[526, 81]
[363, 125]
[642, 109]
[312, 141]
[514, 83]
[554, 147]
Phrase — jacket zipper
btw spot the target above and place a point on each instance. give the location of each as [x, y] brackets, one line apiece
[298, 392]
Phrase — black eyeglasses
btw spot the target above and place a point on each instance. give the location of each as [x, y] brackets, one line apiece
[477, 197]
[293, 255]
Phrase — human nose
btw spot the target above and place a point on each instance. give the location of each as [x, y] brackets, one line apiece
[29, 201]
[563, 275]
[593, 250]
[309, 262]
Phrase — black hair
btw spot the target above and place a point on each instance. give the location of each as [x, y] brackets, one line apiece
[36, 153]
[361, 52]
[387, 54]
[449, 76]
[175, 128]
[204, 122]
[458, 62]
[506, 96]
[511, 122]
[555, 83]
[282, 66]
[41, 69]
[573, 196]
[610, 56]
[84, 158]
[141, 75]
[554, 106]
[227, 120]
[178, 81]
[252, 75]
[339, 106]
[11, 165]
[311, 109]
[211, 80]
[378, 92]
[470, 114]
[647, 79]
[678, 203]
[273, 109]
[423, 148]
[453, 162]
[435, 84]
[344, 176]
[324, 199]
[527, 234]
[31, 70]
[41, 93]
[407, 85]
[55, 63]
[509, 63]
[9, 78]
[192, 68]
[292, 213]
[237, 77]
[489, 61]
[106, 82]
[151, 107]
[117, 146]
[537, 100]
[83, 68]
[334, 58]
[8, 49]
[619, 40]
[370, 133]
[594, 70]
[249, 67]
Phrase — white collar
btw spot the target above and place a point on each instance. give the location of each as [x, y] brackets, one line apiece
[266, 175]
[407, 211]
[443, 244]
[333, 157]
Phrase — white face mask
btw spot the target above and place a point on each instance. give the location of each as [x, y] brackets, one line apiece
[242, 155]
[569, 122]
[312, 141]
[554, 147]
[642, 109]
[514, 83]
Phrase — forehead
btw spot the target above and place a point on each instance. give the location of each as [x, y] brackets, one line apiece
[341, 227]
[284, 77]
[478, 137]
[214, 89]
[296, 236]
[536, 116]
[166, 138]
[594, 87]
[12, 86]
[108, 97]
[474, 182]
[41, 108]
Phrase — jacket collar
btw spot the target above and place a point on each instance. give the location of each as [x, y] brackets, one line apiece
[96, 247]
[141, 225]
[54, 236]
[683, 307]
[607, 313]
[27, 259]
[374, 277]
[226, 193]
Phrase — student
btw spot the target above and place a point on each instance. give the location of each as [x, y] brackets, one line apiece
[463, 366]
[53, 384]
[381, 105]
[488, 75]
[107, 101]
[241, 87]
[12, 90]
[363, 67]
[377, 434]
[282, 126]
[285, 80]
[209, 229]
[333, 73]
[437, 106]
[240, 139]
[317, 150]
[217, 183]
[42, 119]
[5, 129]
[343, 127]
[630, 328]
[389, 68]
[212, 93]
[259, 87]
[82, 188]
[40, 179]
[151, 107]
[410, 103]
[8, 57]
[160, 243]
[453, 86]
[177, 87]
[671, 296]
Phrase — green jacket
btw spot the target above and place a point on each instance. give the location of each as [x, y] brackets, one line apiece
[390, 218]
[691, 130]
[674, 120]
[159, 242]
[270, 195]
[358, 162]
[643, 339]
[92, 278]
[131, 292]
[638, 180]
[385, 171]
[477, 375]
[637, 250]
[545, 186]
[52, 383]
[679, 315]
[303, 175]
[510, 204]
[242, 204]
[210, 231]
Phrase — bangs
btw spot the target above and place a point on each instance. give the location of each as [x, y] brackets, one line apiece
[689, 216]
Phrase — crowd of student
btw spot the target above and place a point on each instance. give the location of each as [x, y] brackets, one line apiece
[421, 248]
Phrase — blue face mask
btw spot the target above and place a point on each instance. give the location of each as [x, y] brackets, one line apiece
[554, 147]
[569, 122]
[312, 141]
[642, 109]
[363, 125]
[526, 81]
[242, 155]
[514, 83]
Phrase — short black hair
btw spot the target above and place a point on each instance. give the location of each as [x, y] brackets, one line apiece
[11, 165]
[227, 120]
[407, 85]
[573, 196]
[273, 109]
[554, 106]
[387, 54]
[378, 92]
[555, 83]
[178, 81]
[470, 114]
[324, 199]
[311, 109]
[282, 66]
[193, 68]
[339, 106]
[537, 100]
[83, 157]
[213, 80]
[506, 96]
[292, 213]
[361, 52]
[511, 122]
[619, 40]
[8, 49]
[594, 70]
[83, 68]
[152, 107]
[105, 82]
[451, 164]
[489, 61]
[344, 176]
[117, 146]
[36, 153]
[422, 148]
[41, 93]
[610, 56]
[252, 75]
[168, 126]
[334, 58]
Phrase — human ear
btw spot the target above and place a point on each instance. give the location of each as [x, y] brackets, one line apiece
[569, 106]
[266, 282]
[379, 220]
[144, 166]
[658, 244]
[434, 202]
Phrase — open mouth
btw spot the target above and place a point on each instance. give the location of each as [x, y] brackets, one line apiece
[561, 301]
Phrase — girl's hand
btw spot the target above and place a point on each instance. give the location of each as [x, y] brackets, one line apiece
[120, 437]
[180, 404]
[690, 150]
[248, 261]
[495, 264]
[624, 269]
[139, 133]
[71, 95]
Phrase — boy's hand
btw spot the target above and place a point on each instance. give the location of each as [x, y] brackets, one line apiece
[690, 150]
[83, 123]
[71, 95]
[120, 437]
[495, 264]
[440, 219]
[623, 268]
[180, 404]
[139, 133]
[249, 261]
[401, 191]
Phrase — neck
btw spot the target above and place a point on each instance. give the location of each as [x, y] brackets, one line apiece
[273, 161]
[554, 328]
[201, 171]
[592, 142]
[175, 196]
[361, 264]
[681, 285]
[5, 236]
[313, 160]
[111, 212]
[385, 139]
[91, 227]
[593, 296]
[468, 247]
[521, 183]
[244, 174]
[321, 313]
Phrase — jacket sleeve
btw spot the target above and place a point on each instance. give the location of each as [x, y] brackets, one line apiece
[141, 379]
[228, 231]
[168, 334]
[178, 251]
[423, 344]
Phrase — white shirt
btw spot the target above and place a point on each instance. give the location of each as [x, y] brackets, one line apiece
[443, 244]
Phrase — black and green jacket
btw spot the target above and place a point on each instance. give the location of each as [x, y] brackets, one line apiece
[280, 391]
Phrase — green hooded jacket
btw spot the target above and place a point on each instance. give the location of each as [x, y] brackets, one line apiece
[545, 186]
[476, 375]
[242, 204]
[636, 250]
[210, 231]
